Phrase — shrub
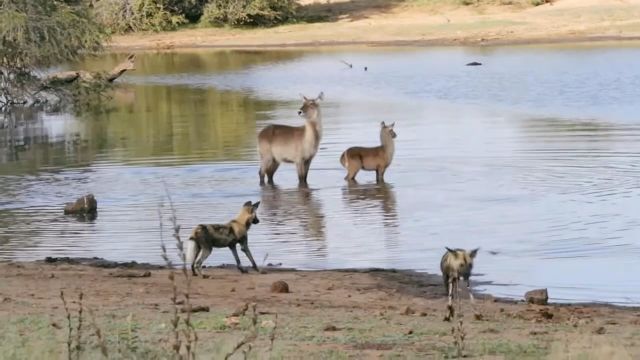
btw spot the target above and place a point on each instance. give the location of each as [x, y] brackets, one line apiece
[248, 12]
[120, 16]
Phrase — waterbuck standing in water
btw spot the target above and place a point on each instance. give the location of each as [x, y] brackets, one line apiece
[291, 144]
[375, 159]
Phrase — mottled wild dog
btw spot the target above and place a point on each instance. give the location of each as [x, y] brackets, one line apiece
[207, 236]
[456, 264]
[376, 158]
[291, 144]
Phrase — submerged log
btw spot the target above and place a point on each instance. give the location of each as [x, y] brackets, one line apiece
[111, 76]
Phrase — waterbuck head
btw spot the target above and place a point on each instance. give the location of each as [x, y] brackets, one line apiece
[387, 130]
[310, 109]
[249, 213]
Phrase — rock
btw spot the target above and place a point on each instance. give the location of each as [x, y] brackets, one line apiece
[478, 316]
[538, 297]
[474, 63]
[330, 328]
[407, 311]
[84, 205]
[195, 309]
[231, 321]
[240, 311]
[422, 314]
[601, 330]
[280, 287]
[409, 332]
[546, 314]
[268, 324]
[130, 274]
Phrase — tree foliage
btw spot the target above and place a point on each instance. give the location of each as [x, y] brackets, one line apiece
[36, 34]
[121, 16]
[248, 12]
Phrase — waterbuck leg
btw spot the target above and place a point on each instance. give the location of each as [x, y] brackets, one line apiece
[271, 171]
[307, 165]
[235, 255]
[245, 249]
[380, 175]
[301, 175]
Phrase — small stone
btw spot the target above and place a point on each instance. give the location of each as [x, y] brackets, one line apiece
[407, 311]
[52, 275]
[538, 297]
[330, 328]
[268, 324]
[478, 316]
[422, 314]
[280, 287]
[546, 314]
[601, 330]
[233, 289]
[231, 321]
[205, 276]
[410, 332]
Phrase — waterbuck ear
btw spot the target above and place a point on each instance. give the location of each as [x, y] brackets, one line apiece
[248, 203]
[474, 252]
[255, 205]
[320, 96]
[382, 124]
[304, 97]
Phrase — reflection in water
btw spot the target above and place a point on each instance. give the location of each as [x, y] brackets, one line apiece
[363, 199]
[295, 214]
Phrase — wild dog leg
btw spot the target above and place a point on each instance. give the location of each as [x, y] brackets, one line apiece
[235, 255]
[469, 290]
[245, 249]
[450, 310]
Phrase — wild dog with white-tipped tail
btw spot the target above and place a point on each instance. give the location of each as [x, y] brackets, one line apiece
[207, 236]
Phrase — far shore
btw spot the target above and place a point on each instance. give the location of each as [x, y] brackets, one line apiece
[414, 23]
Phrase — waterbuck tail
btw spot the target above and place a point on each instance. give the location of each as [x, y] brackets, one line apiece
[344, 160]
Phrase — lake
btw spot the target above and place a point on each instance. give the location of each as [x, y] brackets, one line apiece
[534, 157]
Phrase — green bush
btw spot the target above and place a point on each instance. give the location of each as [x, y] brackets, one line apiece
[120, 16]
[248, 12]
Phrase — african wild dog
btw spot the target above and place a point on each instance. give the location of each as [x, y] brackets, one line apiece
[207, 236]
[456, 263]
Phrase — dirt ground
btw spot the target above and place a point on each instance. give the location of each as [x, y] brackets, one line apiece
[357, 314]
[418, 22]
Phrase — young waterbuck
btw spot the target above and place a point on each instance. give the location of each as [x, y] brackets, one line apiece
[376, 158]
[291, 144]
[456, 264]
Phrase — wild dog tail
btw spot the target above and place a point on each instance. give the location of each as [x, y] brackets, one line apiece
[344, 159]
[192, 250]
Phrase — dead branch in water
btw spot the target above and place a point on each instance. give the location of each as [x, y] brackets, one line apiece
[111, 76]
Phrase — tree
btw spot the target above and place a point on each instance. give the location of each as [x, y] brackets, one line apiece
[35, 35]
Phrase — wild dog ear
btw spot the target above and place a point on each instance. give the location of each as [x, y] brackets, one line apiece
[450, 250]
[320, 96]
[474, 252]
[248, 203]
[382, 124]
[255, 205]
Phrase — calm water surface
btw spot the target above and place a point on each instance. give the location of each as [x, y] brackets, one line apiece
[534, 157]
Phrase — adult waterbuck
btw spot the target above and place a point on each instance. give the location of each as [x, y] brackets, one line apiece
[291, 144]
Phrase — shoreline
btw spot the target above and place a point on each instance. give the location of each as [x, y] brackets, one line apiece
[101, 263]
[436, 42]
[331, 314]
